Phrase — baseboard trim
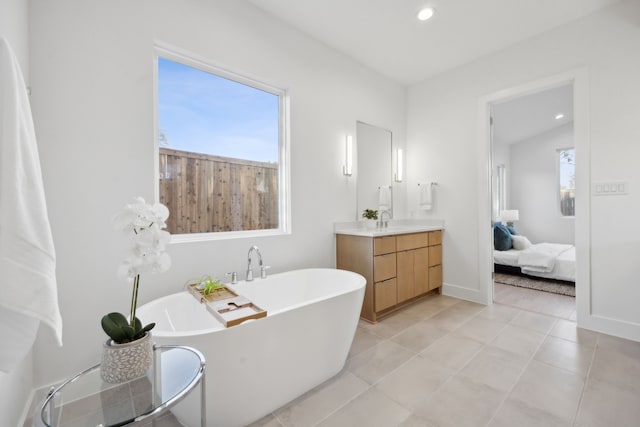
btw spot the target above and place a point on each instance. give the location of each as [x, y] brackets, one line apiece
[615, 327]
[473, 295]
[36, 397]
[27, 409]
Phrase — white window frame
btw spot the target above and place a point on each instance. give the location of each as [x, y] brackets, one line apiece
[284, 197]
[558, 188]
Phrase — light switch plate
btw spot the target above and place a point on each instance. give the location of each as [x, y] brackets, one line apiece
[612, 188]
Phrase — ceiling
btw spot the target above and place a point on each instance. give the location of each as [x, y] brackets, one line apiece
[386, 36]
[527, 116]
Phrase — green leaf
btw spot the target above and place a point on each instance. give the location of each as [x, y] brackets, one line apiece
[147, 328]
[210, 285]
[137, 325]
[120, 331]
[141, 331]
[114, 325]
[129, 332]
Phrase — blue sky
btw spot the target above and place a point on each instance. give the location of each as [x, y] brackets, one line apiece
[204, 113]
[568, 169]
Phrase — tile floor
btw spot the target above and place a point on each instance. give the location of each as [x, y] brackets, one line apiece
[532, 300]
[447, 362]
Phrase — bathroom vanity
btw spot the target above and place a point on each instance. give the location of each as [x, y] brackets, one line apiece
[401, 264]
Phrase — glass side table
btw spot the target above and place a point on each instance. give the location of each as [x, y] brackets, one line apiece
[86, 400]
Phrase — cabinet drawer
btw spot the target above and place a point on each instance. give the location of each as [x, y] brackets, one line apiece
[435, 238]
[384, 267]
[384, 245]
[412, 241]
[435, 277]
[385, 294]
[435, 255]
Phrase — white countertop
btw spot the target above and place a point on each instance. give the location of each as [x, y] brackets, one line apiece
[358, 228]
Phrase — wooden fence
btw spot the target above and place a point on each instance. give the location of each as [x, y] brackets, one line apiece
[568, 202]
[210, 193]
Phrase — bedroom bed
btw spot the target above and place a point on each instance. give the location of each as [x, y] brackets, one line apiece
[544, 260]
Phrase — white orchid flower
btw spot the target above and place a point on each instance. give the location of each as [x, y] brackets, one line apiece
[143, 223]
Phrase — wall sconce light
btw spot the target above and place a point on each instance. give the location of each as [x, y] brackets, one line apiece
[399, 165]
[347, 169]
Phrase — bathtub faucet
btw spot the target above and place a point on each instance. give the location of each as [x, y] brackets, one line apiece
[263, 268]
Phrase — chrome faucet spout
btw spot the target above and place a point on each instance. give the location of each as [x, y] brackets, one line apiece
[249, 267]
[382, 222]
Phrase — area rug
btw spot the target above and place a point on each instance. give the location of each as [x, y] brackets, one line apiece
[552, 286]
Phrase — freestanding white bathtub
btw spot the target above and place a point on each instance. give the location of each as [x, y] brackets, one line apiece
[260, 365]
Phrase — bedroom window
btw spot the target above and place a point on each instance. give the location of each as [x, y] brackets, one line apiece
[567, 180]
[501, 192]
[221, 151]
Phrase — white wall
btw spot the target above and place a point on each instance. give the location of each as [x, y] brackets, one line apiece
[92, 82]
[443, 142]
[14, 26]
[16, 386]
[534, 189]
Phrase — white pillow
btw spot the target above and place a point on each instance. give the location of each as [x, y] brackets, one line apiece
[520, 243]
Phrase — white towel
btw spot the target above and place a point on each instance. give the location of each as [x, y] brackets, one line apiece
[426, 196]
[384, 198]
[27, 255]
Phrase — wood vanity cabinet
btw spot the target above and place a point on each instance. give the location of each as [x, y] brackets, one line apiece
[435, 261]
[399, 269]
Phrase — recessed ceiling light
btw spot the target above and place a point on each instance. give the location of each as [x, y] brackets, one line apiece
[426, 13]
[559, 116]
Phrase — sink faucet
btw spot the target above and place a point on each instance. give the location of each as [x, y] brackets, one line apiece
[263, 268]
[382, 222]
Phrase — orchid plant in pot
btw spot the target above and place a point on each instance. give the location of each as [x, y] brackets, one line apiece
[128, 352]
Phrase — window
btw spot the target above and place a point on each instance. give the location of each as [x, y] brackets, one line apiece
[221, 150]
[567, 175]
[501, 192]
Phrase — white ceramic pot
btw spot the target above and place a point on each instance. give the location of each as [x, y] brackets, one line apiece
[371, 224]
[124, 362]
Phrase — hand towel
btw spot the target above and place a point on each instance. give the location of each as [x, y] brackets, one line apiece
[384, 198]
[27, 256]
[426, 196]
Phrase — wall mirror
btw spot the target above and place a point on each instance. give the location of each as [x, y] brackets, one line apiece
[374, 168]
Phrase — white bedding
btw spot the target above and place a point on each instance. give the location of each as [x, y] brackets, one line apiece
[564, 267]
[541, 258]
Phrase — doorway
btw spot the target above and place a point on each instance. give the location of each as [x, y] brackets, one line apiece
[533, 194]
[577, 79]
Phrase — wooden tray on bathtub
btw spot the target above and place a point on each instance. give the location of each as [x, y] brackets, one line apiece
[218, 294]
[227, 306]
